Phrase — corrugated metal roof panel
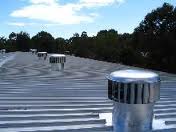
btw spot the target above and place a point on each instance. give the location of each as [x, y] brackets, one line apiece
[34, 98]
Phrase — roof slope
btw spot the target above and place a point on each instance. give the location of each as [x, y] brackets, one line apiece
[34, 98]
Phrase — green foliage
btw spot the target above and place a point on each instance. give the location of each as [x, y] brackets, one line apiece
[61, 45]
[152, 45]
[43, 41]
[156, 35]
[23, 41]
[3, 41]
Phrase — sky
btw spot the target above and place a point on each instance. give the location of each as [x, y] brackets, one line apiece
[63, 18]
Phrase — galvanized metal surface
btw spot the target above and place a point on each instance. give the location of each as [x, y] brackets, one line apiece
[42, 55]
[132, 117]
[134, 93]
[134, 76]
[57, 61]
[36, 99]
[3, 51]
[33, 51]
[57, 58]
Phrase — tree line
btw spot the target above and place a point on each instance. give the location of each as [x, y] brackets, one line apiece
[151, 45]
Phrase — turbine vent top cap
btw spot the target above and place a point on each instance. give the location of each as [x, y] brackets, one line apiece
[127, 76]
[57, 58]
[134, 86]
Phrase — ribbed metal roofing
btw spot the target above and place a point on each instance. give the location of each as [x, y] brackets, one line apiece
[35, 99]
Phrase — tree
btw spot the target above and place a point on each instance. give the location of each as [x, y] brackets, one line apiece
[11, 43]
[107, 45]
[151, 45]
[84, 34]
[44, 41]
[61, 44]
[76, 35]
[156, 36]
[3, 42]
[23, 41]
[13, 36]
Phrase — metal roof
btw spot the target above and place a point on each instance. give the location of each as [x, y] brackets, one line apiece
[35, 99]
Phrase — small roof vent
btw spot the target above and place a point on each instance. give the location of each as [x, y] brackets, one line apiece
[57, 61]
[134, 93]
[42, 55]
[133, 86]
[33, 51]
[2, 51]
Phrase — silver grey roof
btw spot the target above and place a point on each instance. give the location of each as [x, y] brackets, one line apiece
[34, 98]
